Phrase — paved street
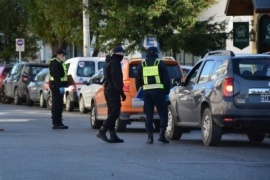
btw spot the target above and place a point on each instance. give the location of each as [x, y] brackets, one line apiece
[31, 150]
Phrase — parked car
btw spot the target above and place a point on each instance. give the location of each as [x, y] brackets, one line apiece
[81, 69]
[88, 91]
[4, 70]
[223, 93]
[38, 89]
[15, 85]
[132, 107]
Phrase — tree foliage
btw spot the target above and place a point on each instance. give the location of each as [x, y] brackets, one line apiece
[13, 24]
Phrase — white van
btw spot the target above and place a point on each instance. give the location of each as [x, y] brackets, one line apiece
[81, 69]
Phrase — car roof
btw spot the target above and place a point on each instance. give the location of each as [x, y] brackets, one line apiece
[75, 59]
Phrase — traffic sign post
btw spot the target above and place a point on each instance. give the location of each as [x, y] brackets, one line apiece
[20, 46]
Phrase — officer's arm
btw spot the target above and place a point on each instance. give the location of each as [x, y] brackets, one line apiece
[116, 77]
[165, 77]
[139, 77]
[55, 73]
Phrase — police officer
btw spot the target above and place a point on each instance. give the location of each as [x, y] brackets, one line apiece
[58, 80]
[153, 78]
[113, 93]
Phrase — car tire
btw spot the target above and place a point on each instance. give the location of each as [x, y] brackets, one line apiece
[173, 132]
[49, 101]
[95, 123]
[29, 102]
[120, 125]
[4, 99]
[69, 104]
[42, 101]
[256, 137]
[17, 98]
[82, 108]
[211, 132]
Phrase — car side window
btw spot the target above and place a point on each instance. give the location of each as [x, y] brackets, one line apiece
[206, 71]
[16, 70]
[192, 76]
[216, 70]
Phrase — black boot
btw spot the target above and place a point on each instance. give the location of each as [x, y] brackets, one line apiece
[150, 139]
[162, 136]
[114, 138]
[102, 134]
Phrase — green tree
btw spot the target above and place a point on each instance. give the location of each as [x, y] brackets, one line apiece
[130, 21]
[56, 22]
[13, 25]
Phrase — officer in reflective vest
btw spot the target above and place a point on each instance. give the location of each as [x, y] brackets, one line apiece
[58, 81]
[153, 77]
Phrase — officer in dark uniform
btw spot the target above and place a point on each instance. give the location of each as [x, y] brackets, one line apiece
[153, 78]
[113, 93]
[58, 80]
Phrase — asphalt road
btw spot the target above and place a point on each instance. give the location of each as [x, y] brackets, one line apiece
[31, 150]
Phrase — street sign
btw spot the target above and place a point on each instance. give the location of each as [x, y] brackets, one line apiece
[150, 41]
[20, 44]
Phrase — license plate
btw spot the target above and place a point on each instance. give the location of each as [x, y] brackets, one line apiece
[265, 98]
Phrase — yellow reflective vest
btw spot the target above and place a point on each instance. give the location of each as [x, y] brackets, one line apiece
[150, 71]
[64, 67]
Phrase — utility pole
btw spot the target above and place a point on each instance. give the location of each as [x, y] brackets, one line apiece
[86, 30]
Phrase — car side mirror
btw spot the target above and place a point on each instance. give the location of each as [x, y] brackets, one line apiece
[96, 81]
[176, 82]
[85, 83]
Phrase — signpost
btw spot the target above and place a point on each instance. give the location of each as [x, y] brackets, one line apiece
[20, 46]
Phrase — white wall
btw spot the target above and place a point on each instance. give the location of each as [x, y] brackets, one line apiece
[218, 10]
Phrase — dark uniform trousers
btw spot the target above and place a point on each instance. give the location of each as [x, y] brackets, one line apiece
[57, 105]
[155, 98]
[114, 106]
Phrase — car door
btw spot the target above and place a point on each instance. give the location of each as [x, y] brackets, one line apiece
[11, 80]
[184, 96]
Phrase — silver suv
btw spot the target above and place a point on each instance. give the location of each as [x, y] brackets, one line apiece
[223, 93]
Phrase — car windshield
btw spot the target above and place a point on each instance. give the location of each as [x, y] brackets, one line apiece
[86, 68]
[252, 68]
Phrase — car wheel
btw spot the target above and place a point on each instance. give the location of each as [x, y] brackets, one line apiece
[211, 132]
[42, 101]
[173, 132]
[29, 102]
[4, 99]
[256, 137]
[49, 101]
[69, 104]
[120, 125]
[95, 123]
[81, 106]
[17, 98]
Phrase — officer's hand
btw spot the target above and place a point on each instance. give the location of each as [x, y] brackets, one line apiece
[123, 97]
[61, 90]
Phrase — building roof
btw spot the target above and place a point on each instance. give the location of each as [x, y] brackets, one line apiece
[246, 7]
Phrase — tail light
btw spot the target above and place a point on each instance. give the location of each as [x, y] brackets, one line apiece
[227, 87]
[25, 78]
[47, 86]
[126, 88]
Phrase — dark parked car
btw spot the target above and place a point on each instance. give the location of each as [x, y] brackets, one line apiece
[223, 93]
[15, 85]
[38, 89]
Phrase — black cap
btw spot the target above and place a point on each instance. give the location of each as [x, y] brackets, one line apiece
[61, 51]
[118, 50]
[152, 50]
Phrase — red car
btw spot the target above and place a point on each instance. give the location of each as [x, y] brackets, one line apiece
[4, 70]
